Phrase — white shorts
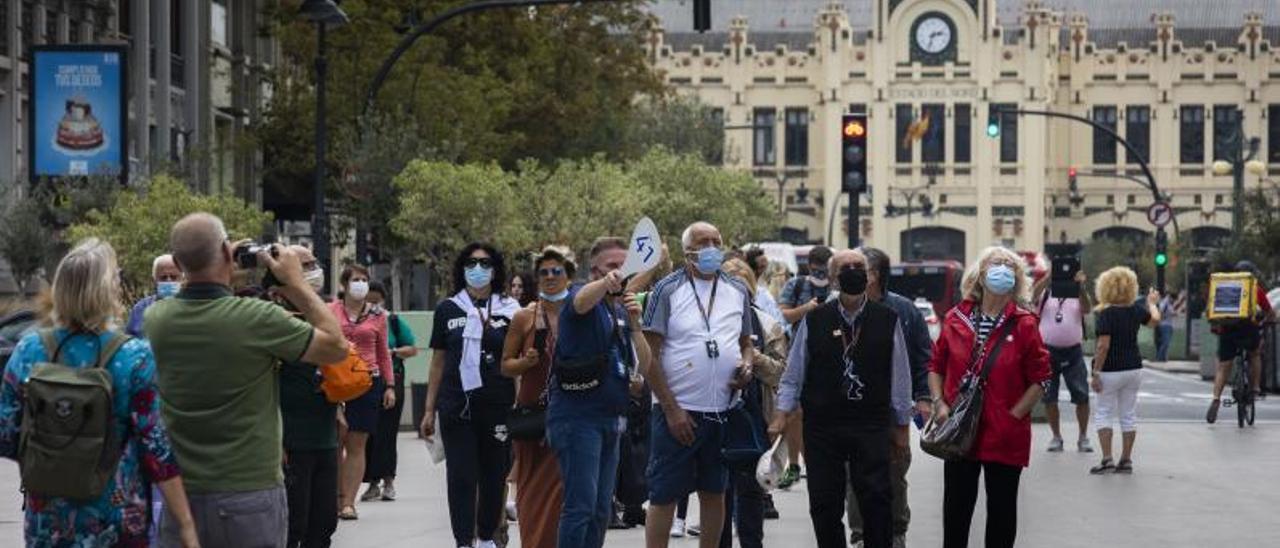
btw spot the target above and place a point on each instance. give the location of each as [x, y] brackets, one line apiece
[1119, 397]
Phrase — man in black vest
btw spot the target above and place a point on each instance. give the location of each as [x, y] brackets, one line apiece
[854, 388]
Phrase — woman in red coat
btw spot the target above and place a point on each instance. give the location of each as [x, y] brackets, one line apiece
[994, 288]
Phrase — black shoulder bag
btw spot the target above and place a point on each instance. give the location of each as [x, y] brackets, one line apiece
[585, 373]
[529, 422]
[953, 438]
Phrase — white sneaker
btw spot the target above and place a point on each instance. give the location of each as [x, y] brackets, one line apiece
[511, 510]
[486, 544]
[677, 528]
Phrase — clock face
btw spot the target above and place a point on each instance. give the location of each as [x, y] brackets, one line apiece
[933, 35]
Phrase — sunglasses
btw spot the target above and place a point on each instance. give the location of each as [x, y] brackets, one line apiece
[483, 262]
[555, 271]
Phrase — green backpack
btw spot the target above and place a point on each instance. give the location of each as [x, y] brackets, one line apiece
[68, 445]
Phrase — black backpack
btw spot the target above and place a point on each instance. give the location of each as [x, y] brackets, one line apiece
[68, 445]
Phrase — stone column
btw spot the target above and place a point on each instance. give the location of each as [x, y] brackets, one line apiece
[11, 103]
[140, 83]
[164, 67]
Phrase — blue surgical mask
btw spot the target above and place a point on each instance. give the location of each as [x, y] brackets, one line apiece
[479, 276]
[556, 297]
[709, 259]
[1000, 279]
[164, 290]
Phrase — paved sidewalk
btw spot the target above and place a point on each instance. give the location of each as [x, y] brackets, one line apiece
[1196, 485]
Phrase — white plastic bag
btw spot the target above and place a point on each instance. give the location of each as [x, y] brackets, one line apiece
[435, 446]
[771, 465]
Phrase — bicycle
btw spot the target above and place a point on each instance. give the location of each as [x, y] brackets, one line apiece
[1242, 395]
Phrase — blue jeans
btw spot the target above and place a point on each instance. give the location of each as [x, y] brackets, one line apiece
[587, 449]
[1164, 338]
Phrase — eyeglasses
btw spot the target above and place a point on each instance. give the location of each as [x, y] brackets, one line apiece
[483, 262]
[555, 271]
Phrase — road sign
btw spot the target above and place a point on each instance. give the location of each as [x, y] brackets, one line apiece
[1160, 214]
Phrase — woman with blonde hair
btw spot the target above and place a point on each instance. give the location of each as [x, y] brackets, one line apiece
[85, 334]
[990, 325]
[1117, 362]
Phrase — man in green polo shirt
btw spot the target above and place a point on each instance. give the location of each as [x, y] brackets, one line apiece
[218, 359]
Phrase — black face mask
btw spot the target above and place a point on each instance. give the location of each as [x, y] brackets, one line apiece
[853, 281]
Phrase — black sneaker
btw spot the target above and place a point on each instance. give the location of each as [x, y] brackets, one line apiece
[770, 511]
[634, 516]
[1212, 416]
[616, 522]
[789, 477]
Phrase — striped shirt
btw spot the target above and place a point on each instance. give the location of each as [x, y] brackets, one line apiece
[983, 324]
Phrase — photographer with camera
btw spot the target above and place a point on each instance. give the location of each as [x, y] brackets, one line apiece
[216, 358]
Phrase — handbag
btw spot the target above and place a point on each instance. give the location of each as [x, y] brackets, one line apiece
[953, 438]
[529, 422]
[745, 439]
[346, 380]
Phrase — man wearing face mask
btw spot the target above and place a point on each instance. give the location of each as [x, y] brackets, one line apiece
[854, 389]
[698, 322]
[168, 279]
[804, 293]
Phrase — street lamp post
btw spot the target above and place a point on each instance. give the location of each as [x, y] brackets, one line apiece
[1241, 157]
[926, 207]
[323, 13]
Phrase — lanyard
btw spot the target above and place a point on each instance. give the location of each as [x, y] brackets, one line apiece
[486, 315]
[711, 303]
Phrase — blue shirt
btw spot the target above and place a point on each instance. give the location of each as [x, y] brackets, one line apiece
[798, 361]
[583, 335]
[134, 329]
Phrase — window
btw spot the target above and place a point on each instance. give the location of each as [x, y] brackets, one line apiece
[1008, 133]
[1191, 134]
[1137, 130]
[218, 22]
[763, 121]
[1224, 130]
[935, 139]
[1198, 199]
[716, 119]
[1104, 146]
[1217, 199]
[903, 115]
[964, 130]
[1273, 134]
[1131, 200]
[1111, 200]
[797, 137]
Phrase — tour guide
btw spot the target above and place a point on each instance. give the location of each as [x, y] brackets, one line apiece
[854, 389]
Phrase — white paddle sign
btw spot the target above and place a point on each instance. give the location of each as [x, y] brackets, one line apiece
[645, 250]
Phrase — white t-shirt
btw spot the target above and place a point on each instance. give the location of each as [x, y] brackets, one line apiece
[699, 381]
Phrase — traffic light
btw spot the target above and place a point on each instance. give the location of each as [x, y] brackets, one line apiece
[1071, 180]
[701, 15]
[1162, 245]
[993, 125]
[853, 158]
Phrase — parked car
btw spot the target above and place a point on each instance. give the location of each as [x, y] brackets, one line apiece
[930, 318]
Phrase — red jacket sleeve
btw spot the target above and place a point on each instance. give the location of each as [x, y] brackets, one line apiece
[1263, 302]
[938, 360]
[1035, 365]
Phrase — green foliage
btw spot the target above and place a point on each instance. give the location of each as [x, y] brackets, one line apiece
[138, 221]
[1260, 241]
[682, 124]
[443, 206]
[25, 243]
[1101, 254]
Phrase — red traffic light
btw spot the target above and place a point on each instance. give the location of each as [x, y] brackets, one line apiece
[1071, 172]
[854, 128]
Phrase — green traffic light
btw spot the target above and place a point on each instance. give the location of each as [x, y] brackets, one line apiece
[1162, 259]
[993, 130]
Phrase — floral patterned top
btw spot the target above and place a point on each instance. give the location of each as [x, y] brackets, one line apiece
[120, 517]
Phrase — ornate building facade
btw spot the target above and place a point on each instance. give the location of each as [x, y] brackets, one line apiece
[1171, 76]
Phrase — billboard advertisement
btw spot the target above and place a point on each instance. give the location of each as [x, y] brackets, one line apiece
[78, 113]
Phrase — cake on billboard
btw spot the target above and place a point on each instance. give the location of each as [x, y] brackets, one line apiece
[78, 113]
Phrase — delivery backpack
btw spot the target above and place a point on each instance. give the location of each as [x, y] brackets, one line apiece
[1232, 298]
[68, 445]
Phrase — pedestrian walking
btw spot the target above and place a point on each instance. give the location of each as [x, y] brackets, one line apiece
[527, 356]
[1168, 307]
[1062, 328]
[168, 280]
[762, 299]
[365, 326]
[991, 320]
[380, 452]
[523, 288]
[801, 295]
[310, 437]
[467, 390]
[600, 344]
[1117, 362]
[218, 358]
[854, 388]
[698, 321]
[919, 349]
[85, 294]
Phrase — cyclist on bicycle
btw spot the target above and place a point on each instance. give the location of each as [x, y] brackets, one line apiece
[1246, 337]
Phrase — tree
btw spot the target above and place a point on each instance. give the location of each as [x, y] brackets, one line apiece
[25, 243]
[1101, 254]
[138, 222]
[575, 202]
[683, 125]
[1260, 240]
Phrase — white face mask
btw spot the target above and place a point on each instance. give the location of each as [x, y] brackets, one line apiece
[358, 290]
[315, 278]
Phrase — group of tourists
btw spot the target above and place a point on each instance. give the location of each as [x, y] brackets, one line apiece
[596, 400]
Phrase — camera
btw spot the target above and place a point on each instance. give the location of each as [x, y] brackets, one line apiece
[246, 255]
